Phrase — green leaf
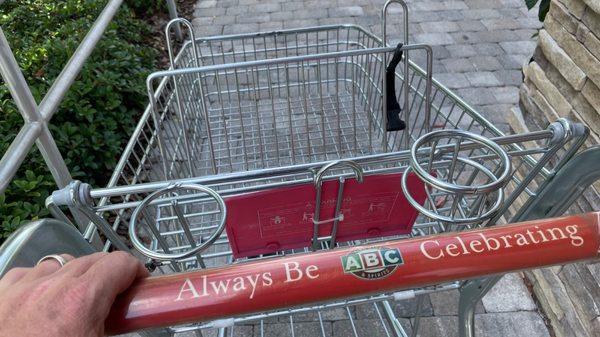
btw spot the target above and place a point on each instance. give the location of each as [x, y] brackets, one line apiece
[530, 3]
[97, 115]
[544, 8]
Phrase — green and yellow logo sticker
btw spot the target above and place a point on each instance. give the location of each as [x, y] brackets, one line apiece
[372, 263]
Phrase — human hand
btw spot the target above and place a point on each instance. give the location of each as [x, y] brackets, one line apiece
[53, 301]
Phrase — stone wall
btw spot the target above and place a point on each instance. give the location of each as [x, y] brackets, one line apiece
[563, 80]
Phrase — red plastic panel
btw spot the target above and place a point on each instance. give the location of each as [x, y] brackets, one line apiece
[281, 218]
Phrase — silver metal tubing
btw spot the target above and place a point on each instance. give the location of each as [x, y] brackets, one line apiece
[35, 128]
[405, 87]
[318, 178]
[301, 30]
[394, 323]
[318, 182]
[282, 60]
[15, 81]
[52, 156]
[17, 151]
[196, 249]
[558, 194]
[495, 184]
[231, 177]
[478, 218]
[271, 123]
[63, 82]
[474, 114]
[182, 118]
[172, 8]
[384, 19]
[41, 114]
[90, 232]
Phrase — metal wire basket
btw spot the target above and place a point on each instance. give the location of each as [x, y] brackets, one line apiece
[248, 113]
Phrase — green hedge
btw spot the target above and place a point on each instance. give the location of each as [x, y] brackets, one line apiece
[100, 110]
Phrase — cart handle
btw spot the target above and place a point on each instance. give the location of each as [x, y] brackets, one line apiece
[348, 272]
[384, 19]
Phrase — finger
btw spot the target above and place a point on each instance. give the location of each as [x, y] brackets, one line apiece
[110, 276]
[13, 276]
[79, 266]
[45, 268]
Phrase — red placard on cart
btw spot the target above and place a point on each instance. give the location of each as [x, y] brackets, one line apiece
[282, 218]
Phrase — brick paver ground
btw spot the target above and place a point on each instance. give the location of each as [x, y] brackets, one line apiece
[479, 45]
[479, 48]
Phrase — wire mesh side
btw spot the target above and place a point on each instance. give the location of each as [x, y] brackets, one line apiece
[294, 92]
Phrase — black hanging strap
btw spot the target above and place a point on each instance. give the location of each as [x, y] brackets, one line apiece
[394, 123]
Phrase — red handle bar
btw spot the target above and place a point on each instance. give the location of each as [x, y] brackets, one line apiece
[353, 271]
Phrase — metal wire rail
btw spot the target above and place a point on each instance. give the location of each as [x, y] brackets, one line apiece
[184, 230]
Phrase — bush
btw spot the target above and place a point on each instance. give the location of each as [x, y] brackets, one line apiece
[98, 114]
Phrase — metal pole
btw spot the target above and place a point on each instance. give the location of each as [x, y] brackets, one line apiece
[16, 153]
[172, 7]
[37, 117]
[26, 104]
[71, 70]
[405, 87]
[15, 81]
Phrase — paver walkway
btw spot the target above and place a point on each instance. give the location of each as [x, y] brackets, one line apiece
[479, 49]
[479, 45]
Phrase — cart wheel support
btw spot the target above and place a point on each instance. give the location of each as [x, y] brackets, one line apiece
[556, 197]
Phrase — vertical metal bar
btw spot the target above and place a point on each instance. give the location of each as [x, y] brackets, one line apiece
[321, 324]
[351, 321]
[178, 99]
[305, 107]
[274, 121]
[261, 142]
[554, 199]
[172, 8]
[239, 111]
[197, 62]
[336, 216]
[17, 152]
[392, 320]
[415, 331]
[384, 57]
[292, 326]
[353, 84]
[338, 111]
[321, 106]
[186, 230]
[316, 218]
[35, 126]
[157, 128]
[289, 111]
[71, 70]
[17, 85]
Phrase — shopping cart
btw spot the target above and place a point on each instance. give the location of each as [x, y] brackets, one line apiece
[242, 124]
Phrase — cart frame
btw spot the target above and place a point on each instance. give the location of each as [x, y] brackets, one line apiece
[37, 117]
[120, 200]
